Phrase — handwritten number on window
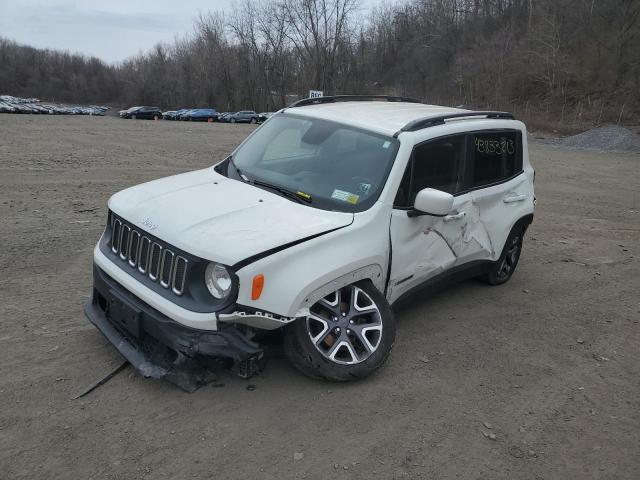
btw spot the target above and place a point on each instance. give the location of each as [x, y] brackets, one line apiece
[495, 146]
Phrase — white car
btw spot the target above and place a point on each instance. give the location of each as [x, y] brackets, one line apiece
[328, 214]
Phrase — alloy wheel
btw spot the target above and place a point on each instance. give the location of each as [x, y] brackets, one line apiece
[510, 258]
[345, 326]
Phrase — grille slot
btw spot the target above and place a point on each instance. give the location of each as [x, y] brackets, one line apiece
[179, 275]
[166, 267]
[134, 244]
[153, 259]
[115, 237]
[143, 259]
[124, 241]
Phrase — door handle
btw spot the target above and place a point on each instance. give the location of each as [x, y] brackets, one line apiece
[514, 198]
[454, 216]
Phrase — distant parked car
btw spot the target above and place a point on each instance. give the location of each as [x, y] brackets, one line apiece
[148, 113]
[11, 104]
[50, 109]
[24, 108]
[7, 108]
[202, 115]
[185, 114]
[97, 110]
[179, 115]
[244, 116]
[264, 116]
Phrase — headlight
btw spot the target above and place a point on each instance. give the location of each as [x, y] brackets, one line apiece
[218, 280]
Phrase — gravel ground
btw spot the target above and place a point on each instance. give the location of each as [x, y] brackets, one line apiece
[536, 379]
[609, 138]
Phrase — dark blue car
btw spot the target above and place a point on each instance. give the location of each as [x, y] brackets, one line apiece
[202, 115]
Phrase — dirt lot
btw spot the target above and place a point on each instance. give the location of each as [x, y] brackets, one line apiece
[548, 363]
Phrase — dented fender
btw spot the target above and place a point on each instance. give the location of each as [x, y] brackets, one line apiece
[294, 276]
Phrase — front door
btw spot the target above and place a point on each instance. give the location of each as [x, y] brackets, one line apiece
[425, 245]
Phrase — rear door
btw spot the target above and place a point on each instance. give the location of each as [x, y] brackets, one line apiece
[500, 189]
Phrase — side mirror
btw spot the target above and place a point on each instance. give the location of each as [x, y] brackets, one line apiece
[432, 202]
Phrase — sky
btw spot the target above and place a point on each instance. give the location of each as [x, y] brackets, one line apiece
[108, 29]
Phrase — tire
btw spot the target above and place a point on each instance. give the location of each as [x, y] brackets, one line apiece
[253, 120]
[348, 335]
[155, 117]
[133, 117]
[233, 120]
[503, 268]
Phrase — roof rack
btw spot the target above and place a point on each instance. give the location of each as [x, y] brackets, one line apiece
[440, 120]
[350, 98]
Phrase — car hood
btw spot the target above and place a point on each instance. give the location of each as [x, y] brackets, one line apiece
[220, 219]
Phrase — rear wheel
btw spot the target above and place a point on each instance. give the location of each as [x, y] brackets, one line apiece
[347, 335]
[253, 120]
[503, 268]
[156, 117]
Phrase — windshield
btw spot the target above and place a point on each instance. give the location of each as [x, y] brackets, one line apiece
[329, 165]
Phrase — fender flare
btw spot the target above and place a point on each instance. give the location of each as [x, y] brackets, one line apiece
[523, 222]
[369, 272]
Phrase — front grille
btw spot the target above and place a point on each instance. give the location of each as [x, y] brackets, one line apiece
[149, 257]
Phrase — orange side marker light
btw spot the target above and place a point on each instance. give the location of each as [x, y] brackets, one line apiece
[256, 288]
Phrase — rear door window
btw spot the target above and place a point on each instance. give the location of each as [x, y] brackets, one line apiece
[497, 156]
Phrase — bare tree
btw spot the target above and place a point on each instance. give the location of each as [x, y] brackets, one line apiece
[532, 55]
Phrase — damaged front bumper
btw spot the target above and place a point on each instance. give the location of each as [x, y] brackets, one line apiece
[159, 347]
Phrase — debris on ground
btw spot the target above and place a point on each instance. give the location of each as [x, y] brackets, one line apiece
[609, 138]
[489, 435]
[516, 451]
[103, 380]
[297, 456]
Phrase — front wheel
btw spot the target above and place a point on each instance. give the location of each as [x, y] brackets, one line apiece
[503, 268]
[347, 335]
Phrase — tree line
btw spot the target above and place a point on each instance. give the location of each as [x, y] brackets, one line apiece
[571, 60]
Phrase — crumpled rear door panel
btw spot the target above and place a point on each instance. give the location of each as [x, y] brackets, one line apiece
[500, 206]
[467, 236]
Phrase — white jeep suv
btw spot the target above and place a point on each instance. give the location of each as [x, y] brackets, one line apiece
[323, 218]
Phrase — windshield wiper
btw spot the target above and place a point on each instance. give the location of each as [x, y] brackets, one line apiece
[300, 197]
[238, 171]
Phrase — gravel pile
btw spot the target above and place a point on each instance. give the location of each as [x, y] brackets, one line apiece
[610, 138]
